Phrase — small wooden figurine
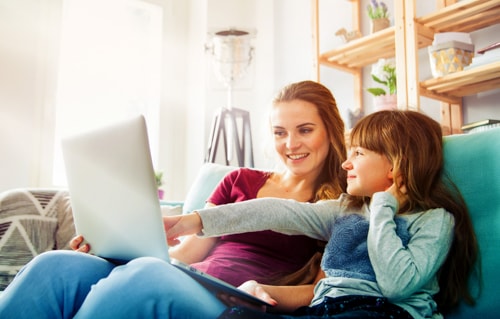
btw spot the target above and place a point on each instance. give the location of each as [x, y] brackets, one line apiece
[348, 35]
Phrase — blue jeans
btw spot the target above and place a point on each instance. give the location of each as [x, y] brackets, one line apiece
[345, 307]
[67, 284]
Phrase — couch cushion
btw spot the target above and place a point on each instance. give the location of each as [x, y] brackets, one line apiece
[473, 163]
[209, 176]
[29, 221]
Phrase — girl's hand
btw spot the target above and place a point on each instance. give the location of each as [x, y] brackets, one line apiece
[253, 288]
[181, 225]
[400, 194]
[76, 244]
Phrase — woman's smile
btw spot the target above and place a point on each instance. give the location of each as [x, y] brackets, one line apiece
[299, 156]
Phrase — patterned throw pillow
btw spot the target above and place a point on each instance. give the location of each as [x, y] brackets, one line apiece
[29, 222]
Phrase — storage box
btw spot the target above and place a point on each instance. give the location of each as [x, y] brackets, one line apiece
[450, 57]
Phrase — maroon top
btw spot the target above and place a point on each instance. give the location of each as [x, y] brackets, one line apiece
[261, 256]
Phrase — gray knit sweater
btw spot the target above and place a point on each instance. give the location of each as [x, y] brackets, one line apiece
[370, 251]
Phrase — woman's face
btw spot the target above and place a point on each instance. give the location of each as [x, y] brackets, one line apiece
[300, 136]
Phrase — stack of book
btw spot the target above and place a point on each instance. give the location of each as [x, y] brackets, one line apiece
[487, 55]
[480, 126]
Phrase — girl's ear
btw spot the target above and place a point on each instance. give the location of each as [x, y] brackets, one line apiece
[390, 174]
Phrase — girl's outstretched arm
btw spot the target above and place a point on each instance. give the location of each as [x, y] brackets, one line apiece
[281, 215]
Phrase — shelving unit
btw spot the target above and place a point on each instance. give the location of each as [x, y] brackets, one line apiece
[403, 40]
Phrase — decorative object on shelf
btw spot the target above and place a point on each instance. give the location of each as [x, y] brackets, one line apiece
[232, 53]
[379, 15]
[348, 35]
[353, 116]
[384, 72]
[450, 52]
[159, 183]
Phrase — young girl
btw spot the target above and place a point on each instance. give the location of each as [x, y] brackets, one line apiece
[400, 243]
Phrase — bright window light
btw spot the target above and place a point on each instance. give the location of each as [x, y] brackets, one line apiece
[109, 68]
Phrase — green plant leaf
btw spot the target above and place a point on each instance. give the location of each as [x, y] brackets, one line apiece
[159, 178]
[378, 80]
[376, 91]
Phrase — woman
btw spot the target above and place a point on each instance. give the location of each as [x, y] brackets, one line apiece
[401, 244]
[308, 134]
[308, 138]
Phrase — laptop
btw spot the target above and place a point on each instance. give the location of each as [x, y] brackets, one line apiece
[115, 201]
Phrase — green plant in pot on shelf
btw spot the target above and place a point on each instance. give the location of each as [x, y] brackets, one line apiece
[379, 15]
[384, 72]
[159, 183]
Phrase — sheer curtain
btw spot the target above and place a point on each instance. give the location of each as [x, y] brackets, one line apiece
[109, 68]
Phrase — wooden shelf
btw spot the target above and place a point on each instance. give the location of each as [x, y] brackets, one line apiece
[452, 87]
[366, 50]
[463, 16]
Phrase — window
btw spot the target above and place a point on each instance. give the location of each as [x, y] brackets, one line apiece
[109, 68]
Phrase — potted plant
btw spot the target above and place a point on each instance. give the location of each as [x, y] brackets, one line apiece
[379, 15]
[384, 72]
[159, 183]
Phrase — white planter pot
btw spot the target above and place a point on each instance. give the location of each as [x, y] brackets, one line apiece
[385, 102]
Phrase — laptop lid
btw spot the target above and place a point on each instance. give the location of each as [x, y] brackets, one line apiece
[115, 201]
[113, 191]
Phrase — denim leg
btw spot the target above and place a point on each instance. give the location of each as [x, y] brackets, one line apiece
[53, 285]
[149, 288]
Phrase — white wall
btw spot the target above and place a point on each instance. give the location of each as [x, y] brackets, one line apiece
[283, 43]
[28, 49]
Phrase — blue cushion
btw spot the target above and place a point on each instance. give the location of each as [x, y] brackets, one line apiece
[473, 163]
[209, 176]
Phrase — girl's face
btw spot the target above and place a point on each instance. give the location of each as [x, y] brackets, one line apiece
[300, 136]
[367, 172]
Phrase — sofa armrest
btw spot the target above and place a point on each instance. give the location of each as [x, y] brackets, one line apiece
[169, 208]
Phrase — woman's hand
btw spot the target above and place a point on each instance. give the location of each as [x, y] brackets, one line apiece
[253, 288]
[76, 244]
[181, 225]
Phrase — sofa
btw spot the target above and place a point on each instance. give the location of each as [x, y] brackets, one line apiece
[37, 220]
